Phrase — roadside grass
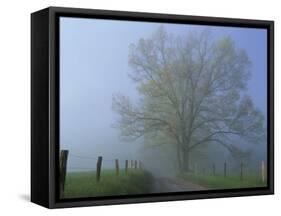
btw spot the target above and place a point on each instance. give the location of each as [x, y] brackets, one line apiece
[84, 184]
[229, 182]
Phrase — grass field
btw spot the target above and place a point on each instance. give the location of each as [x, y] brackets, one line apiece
[84, 184]
[228, 182]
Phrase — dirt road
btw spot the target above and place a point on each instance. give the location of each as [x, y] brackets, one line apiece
[169, 184]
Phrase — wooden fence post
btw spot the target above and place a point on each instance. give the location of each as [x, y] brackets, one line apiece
[132, 164]
[117, 166]
[126, 166]
[214, 169]
[262, 171]
[63, 166]
[136, 164]
[241, 171]
[224, 169]
[99, 162]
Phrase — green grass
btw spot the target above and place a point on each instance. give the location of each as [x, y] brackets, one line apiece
[229, 182]
[84, 184]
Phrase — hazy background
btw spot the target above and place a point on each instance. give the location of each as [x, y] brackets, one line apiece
[94, 66]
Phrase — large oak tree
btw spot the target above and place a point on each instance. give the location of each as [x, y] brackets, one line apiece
[192, 91]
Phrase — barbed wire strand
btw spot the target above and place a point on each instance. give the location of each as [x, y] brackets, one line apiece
[95, 158]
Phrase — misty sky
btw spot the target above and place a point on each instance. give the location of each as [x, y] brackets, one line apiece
[94, 66]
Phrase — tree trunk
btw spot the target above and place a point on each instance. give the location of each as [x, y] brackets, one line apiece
[179, 157]
[186, 161]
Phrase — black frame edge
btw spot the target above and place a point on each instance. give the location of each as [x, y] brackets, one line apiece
[270, 104]
[39, 107]
[133, 15]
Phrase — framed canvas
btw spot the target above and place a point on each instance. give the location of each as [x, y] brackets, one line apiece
[138, 107]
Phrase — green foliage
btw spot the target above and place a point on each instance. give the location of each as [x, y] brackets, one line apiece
[250, 180]
[84, 184]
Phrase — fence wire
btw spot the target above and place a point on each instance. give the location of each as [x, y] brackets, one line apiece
[107, 161]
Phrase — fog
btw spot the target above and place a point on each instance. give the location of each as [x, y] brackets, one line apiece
[94, 67]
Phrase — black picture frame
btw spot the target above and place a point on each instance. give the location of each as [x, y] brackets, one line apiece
[45, 105]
